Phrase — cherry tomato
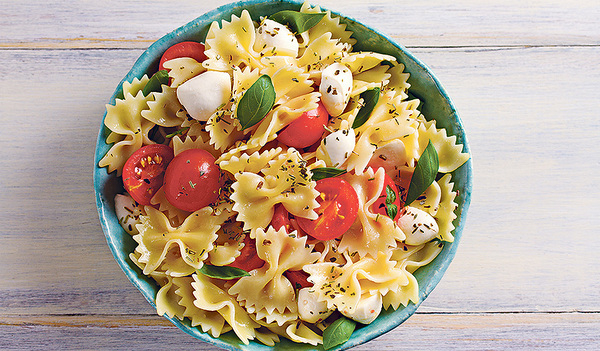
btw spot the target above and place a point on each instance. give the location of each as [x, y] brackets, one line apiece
[281, 218]
[306, 129]
[184, 49]
[298, 279]
[144, 171]
[379, 206]
[337, 211]
[192, 180]
[248, 258]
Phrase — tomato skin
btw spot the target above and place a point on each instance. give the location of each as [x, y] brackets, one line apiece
[191, 49]
[379, 206]
[298, 279]
[281, 218]
[306, 129]
[337, 211]
[192, 180]
[248, 258]
[144, 171]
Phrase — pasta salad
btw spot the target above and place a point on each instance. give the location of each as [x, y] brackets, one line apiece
[277, 182]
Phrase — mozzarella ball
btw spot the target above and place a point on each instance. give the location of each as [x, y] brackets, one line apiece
[389, 156]
[309, 308]
[337, 147]
[276, 38]
[367, 309]
[418, 225]
[202, 95]
[335, 88]
[128, 212]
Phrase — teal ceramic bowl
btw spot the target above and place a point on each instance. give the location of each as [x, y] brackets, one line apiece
[424, 85]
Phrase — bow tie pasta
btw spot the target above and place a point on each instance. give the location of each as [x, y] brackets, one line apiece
[282, 197]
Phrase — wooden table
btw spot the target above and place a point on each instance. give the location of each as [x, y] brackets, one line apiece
[524, 75]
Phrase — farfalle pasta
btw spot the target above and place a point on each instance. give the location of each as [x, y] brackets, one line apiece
[267, 185]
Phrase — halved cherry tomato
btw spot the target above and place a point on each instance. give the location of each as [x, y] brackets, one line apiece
[306, 129]
[379, 206]
[248, 258]
[281, 218]
[144, 171]
[298, 279]
[184, 49]
[337, 211]
[192, 180]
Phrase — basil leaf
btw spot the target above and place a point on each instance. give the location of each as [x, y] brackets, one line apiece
[338, 332]
[370, 99]
[156, 81]
[298, 22]
[391, 210]
[256, 102]
[326, 172]
[222, 272]
[425, 172]
[391, 195]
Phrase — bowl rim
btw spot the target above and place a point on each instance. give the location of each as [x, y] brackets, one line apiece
[150, 57]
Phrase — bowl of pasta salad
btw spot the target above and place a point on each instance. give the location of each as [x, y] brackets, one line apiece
[276, 175]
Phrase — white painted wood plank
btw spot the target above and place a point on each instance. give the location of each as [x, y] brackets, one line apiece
[532, 234]
[111, 23]
[421, 332]
[531, 116]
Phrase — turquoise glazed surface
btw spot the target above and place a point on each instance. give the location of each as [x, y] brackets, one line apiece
[435, 104]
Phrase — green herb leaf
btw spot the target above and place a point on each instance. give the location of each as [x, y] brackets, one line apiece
[326, 172]
[370, 99]
[391, 195]
[256, 102]
[390, 208]
[298, 22]
[425, 172]
[177, 132]
[156, 81]
[222, 272]
[338, 332]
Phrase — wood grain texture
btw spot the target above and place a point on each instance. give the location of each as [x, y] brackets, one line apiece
[126, 24]
[420, 332]
[524, 77]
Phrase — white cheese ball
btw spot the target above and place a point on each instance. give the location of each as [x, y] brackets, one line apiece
[389, 156]
[203, 94]
[367, 309]
[128, 212]
[418, 225]
[335, 88]
[309, 308]
[338, 146]
[276, 38]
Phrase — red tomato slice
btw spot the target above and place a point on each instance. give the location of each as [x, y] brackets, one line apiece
[379, 206]
[281, 218]
[192, 180]
[306, 129]
[184, 49]
[337, 211]
[248, 258]
[298, 279]
[144, 171]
